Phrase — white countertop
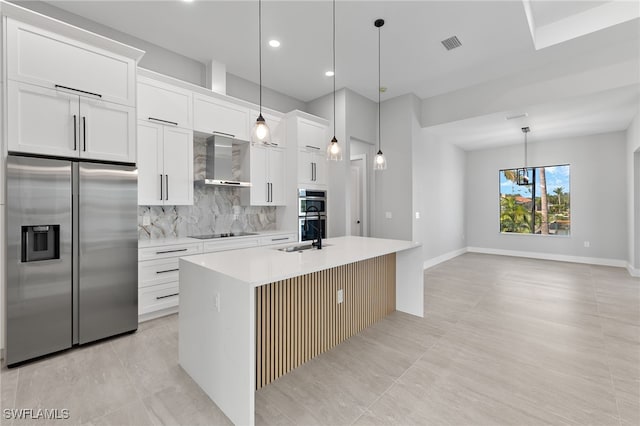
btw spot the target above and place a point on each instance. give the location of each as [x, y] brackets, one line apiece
[160, 242]
[261, 265]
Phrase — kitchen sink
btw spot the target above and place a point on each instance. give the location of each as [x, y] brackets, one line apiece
[301, 247]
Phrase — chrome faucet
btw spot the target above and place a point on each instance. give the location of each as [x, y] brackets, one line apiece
[317, 244]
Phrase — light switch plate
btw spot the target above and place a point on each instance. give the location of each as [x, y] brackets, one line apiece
[388, 215]
[417, 215]
[146, 220]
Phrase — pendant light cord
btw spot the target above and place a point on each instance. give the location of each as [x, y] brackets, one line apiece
[260, 48]
[334, 68]
[379, 134]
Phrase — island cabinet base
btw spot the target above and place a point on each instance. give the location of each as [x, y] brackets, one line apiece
[301, 317]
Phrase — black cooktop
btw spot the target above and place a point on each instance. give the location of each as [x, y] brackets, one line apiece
[230, 234]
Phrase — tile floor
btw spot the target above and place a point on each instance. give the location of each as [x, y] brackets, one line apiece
[505, 341]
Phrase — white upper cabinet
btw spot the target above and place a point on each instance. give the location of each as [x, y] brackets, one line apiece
[165, 165]
[312, 167]
[312, 135]
[42, 121]
[165, 104]
[267, 170]
[107, 131]
[212, 115]
[54, 122]
[51, 60]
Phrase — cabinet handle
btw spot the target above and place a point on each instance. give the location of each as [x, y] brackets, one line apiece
[84, 133]
[168, 295]
[267, 192]
[271, 192]
[312, 171]
[75, 132]
[280, 239]
[171, 251]
[58, 86]
[161, 191]
[163, 121]
[166, 187]
[312, 147]
[215, 132]
[168, 270]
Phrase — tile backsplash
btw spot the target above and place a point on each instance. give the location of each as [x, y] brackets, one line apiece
[213, 211]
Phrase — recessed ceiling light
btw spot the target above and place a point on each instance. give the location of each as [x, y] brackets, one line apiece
[274, 43]
[187, 1]
[329, 73]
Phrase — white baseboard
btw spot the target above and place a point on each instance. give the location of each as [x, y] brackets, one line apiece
[550, 256]
[443, 258]
[634, 272]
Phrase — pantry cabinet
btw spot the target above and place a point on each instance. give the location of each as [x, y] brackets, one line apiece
[311, 137]
[165, 165]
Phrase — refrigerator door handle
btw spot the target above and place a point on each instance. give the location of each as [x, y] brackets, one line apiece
[84, 133]
[75, 132]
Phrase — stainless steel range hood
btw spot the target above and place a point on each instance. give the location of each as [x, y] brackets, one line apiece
[220, 162]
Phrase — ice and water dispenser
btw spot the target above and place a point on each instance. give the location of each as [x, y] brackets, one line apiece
[40, 242]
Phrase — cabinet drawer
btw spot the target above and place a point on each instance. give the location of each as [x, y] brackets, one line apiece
[278, 239]
[230, 245]
[154, 272]
[163, 252]
[164, 104]
[158, 297]
[48, 59]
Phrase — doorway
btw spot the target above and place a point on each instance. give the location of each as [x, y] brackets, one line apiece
[358, 191]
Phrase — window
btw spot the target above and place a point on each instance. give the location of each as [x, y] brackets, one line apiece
[541, 193]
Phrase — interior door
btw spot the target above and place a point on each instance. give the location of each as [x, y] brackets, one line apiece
[42, 121]
[107, 131]
[108, 250]
[178, 166]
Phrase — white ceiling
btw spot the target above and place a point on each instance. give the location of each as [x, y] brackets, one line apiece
[495, 40]
[550, 11]
[602, 112]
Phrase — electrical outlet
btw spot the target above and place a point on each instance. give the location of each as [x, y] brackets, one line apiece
[417, 215]
[146, 220]
[388, 215]
[587, 244]
[217, 302]
[340, 296]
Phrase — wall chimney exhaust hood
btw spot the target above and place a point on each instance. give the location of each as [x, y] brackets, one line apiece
[220, 162]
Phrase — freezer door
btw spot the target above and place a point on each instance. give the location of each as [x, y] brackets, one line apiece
[39, 251]
[108, 251]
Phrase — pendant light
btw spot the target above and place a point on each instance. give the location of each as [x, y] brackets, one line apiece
[260, 133]
[334, 153]
[523, 174]
[379, 162]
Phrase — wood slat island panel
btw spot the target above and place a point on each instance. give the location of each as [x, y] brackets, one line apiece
[299, 318]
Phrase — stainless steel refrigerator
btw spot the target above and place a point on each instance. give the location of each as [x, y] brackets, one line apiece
[71, 254]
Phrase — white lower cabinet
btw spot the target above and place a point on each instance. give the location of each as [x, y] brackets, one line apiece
[159, 268]
[158, 275]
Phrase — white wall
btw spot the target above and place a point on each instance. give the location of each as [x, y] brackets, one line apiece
[394, 186]
[598, 197]
[439, 195]
[249, 91]
[633, 178]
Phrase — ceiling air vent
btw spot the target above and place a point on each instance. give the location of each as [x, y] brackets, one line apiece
[451, 43]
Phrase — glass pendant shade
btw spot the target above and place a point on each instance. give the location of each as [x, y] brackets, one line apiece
[380, 161]
[334, 153]
[261, 133]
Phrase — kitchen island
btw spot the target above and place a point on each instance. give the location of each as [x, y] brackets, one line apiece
[249, 316]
